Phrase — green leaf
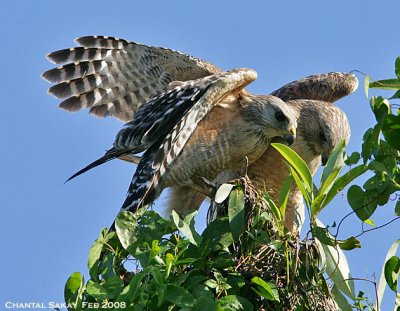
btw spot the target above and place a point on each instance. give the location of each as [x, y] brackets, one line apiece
[73, 291]
[322, 257]
[265, 289]
[206, 304]
[317, 205]
[377, 166]
[392, 272]
[235, 303]
[397, 208]
[111, 240]
[332, 168]
[341, 300]
[391, 130]
[340, 184]
[387, 84]
[362, 204]
[114, 286]
[297, 163]
[371, 142]
[111, 288]
[223, 192]
[272, 207]
[157, 276]
[211, 283]
[397, 67]
[366, 149]
[237, 282]
[300, 185]
[106, 267]
[94, 255]
[284, 194]
[126, 227]
[381, 108]
[201, 290]
[323, 235]
[169, 261]
[375, 139]
[96, 290]
[143, 254]
[236, 212]
[395, 95]
[366, 85]
[349, 244]
[337, 267]
[142, 226]
[179, 296]
[186, 226]
[189, 279]
[161, 289]
[353, 158]
[146, 254]
[382, 283]
[370, 222]
[131, 291]
[216, 236]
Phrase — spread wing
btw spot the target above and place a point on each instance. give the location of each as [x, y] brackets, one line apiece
[162, 127]
[114, 77]
[153, 121]
[328, 87]
[153, 168]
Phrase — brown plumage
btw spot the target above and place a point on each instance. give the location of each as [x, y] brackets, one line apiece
[115, 77]
[321, 127]
[190, 130]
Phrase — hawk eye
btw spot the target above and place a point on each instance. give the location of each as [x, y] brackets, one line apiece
[322, 136]
[280, 116]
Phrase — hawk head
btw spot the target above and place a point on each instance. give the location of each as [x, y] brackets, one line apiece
[270, 117]
[322, 126]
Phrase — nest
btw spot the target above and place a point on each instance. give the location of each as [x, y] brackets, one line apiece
[283, 268]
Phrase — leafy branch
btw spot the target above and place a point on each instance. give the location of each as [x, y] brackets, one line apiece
[245, 259]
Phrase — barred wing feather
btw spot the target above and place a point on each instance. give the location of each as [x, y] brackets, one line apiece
[327, 87]
[147, 181]
[114, 77]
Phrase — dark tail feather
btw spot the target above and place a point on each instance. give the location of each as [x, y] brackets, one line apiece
[110, 155]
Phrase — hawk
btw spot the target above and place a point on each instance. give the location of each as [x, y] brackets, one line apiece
[188, 129]
[321, 126]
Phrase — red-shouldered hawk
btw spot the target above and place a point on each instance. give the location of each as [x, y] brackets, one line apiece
[196, 129]
[321, 127]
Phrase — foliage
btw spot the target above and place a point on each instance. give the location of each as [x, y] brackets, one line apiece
[239, 262]
[245, 259]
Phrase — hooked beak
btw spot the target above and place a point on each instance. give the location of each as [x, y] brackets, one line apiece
[289, 138]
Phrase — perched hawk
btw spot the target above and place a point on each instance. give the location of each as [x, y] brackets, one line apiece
[187, 130]
[321, 126]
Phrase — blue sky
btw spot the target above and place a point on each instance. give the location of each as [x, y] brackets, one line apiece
[48, 226]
